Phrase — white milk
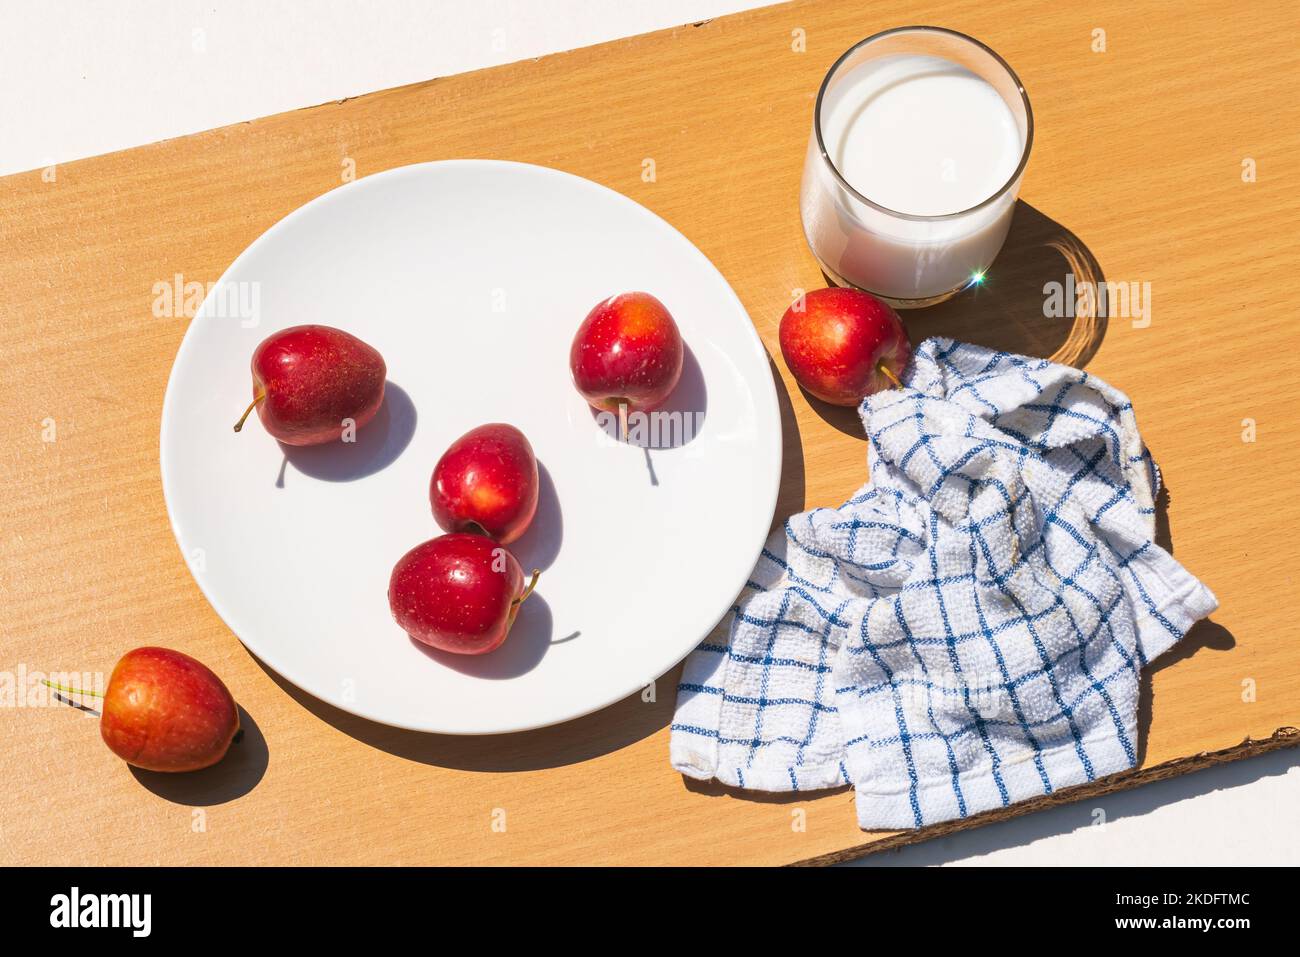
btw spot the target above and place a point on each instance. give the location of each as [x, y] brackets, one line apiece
[918, 135]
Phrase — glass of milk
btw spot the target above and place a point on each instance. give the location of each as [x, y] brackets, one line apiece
[920, 139]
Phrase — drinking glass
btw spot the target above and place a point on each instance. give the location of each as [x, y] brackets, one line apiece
[909, 260]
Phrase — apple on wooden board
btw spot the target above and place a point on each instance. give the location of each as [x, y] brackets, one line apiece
[843, 345]
[310, 382]
[165, 711]
[486, 482]
[627, 355]
[458, 592]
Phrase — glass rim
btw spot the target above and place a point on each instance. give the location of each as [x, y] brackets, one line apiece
[916, 217]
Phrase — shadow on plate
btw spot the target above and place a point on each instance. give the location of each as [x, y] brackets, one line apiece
[232, 777]
[675, 423]
[530, 637]
[539, 546]
[1008, 310]
[378, 444]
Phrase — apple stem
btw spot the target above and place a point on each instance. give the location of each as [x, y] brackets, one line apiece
[67, 690]
[622, 421]
[888, 373]
[537, 572]
[252, 405]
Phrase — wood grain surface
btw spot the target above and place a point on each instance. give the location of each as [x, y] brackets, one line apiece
[1136, 173]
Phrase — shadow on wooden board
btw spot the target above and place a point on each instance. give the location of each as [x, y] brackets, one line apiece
[232, 777]
[1028, 303]
[581, 739]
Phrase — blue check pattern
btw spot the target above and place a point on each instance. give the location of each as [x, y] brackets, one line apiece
[968, 630]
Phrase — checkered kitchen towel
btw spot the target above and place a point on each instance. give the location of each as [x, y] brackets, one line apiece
[967, 630]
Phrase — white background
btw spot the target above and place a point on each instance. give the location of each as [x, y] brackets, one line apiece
[82, 78]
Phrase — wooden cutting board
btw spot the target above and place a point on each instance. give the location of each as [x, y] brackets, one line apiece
[1170, 157]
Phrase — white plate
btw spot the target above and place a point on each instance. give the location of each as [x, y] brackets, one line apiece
[470, 277]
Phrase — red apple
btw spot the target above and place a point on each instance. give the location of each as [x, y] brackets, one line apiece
[458, 592]
[308, 380]
[486, 481]
[627, 354]
[164, 711]
[844, 345]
